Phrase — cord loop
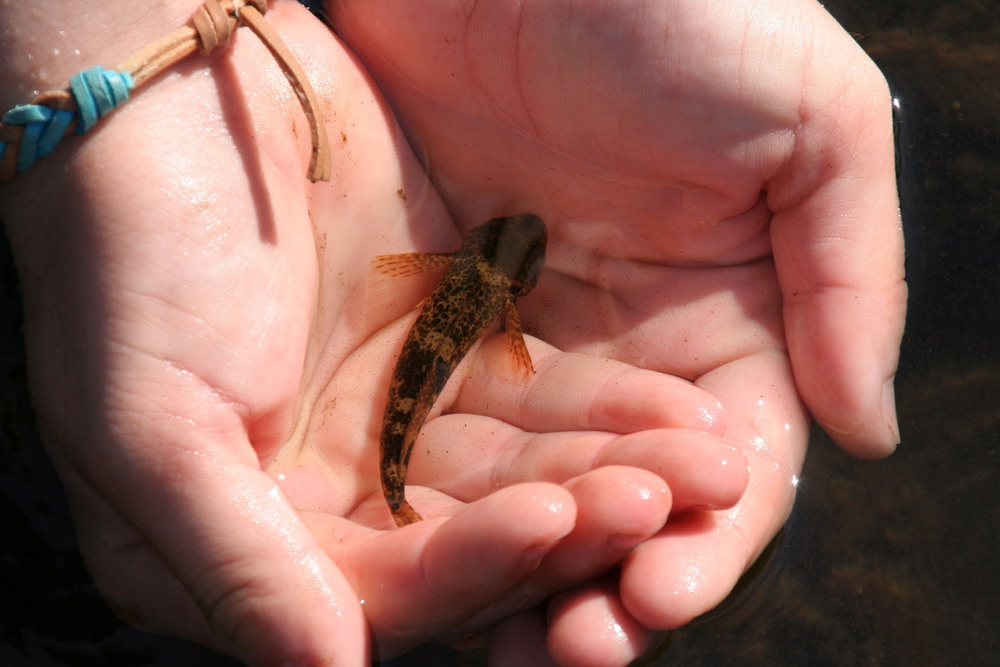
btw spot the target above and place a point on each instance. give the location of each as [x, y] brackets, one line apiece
[30, 131]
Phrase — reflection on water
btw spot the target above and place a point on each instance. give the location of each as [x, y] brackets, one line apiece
[882, 563]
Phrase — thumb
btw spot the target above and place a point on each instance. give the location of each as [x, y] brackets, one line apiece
[838, 250]
[213, 552]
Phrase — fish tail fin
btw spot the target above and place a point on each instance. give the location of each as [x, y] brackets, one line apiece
[404, 514]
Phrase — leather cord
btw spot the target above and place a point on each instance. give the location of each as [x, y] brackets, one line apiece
[32, 130]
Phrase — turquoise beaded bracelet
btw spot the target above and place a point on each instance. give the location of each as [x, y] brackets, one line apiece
[96, 91]
[30, 131]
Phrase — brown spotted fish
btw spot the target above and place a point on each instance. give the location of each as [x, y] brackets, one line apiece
[498, 262]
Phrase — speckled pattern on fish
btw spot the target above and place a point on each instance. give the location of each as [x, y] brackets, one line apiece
[498, 262]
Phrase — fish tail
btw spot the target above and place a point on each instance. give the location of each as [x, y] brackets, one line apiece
[404, 514]
[394, 491]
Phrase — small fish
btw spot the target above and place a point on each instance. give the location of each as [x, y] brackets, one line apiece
[498, 262]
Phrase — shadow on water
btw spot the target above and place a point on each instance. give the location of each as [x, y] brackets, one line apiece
[881, 563]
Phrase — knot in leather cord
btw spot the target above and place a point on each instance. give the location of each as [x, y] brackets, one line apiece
[214, 25]
[30, 131]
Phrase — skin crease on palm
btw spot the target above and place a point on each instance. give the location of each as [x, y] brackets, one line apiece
[209, 349]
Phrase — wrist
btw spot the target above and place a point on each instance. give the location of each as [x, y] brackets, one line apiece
[40, 51]
[33, 130]
[41, 54]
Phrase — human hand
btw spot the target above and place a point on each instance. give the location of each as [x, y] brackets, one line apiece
[195, 308]
[718, 182]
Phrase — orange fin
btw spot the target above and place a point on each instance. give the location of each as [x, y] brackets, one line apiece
[412, 263]
[515, 341]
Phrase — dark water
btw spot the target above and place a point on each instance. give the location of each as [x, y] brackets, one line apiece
[882, 563]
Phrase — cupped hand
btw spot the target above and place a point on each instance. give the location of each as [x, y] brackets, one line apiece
[719, 185]
[209, 352]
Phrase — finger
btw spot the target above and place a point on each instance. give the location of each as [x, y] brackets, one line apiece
[703, 471]
[482, 454]
[838, 249]
[617, 508]
[441, 578]
[583, 392]
[683, 572]
[590, 626]
[520, 640]
[696, 560]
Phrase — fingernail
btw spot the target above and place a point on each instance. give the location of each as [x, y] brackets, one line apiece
[889, 407]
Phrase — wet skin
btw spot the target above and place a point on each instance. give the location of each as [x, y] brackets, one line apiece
[498, 262]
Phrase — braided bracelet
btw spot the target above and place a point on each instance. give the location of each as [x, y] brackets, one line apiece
[29, 131]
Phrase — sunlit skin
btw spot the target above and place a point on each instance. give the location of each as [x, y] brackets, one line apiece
[210, 350]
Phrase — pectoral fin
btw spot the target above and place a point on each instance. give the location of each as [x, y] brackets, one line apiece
[515, 340]
[412, 263]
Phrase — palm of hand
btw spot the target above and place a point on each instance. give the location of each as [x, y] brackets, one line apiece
[658, 234]
[328, 465]
[674, 150]
[236, 305]
[633, 287]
